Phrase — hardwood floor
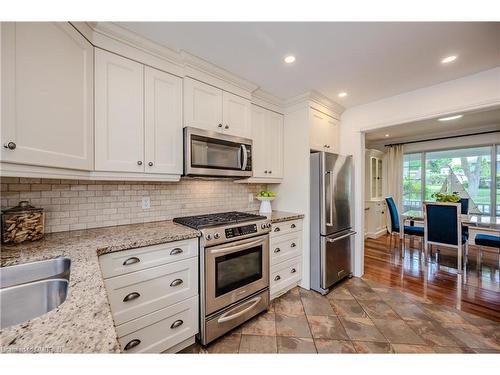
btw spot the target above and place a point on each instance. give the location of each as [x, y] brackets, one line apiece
[477, 291]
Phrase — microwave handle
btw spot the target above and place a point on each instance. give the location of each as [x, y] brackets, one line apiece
[245, 157]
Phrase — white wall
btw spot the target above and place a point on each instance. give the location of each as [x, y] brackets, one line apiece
[481, 90]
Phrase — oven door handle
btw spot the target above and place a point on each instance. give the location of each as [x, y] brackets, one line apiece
[231, 249]
[253, 302]
[245, 157]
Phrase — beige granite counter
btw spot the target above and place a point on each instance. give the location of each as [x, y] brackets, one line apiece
[279, 216]
[83, 323]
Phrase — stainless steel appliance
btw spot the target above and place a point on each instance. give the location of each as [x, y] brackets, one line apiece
[331, 237]
[208, 153]
[234, 269]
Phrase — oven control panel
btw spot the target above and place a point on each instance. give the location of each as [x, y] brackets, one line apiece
[241, 231]
[218, 235]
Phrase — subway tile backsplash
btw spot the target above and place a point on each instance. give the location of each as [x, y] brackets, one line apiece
[73, 204]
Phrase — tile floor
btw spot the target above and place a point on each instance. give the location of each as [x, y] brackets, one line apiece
[358, 316]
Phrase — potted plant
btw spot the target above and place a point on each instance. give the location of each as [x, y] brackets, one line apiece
[265, 198]
[443, 197]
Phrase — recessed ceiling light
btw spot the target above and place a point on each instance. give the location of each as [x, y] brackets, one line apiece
[342, 94]
[387, 135]
[450, 118]
[289, 59]
[449, 59]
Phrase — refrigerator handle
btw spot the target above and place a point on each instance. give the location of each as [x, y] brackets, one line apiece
[329, 196]
[339, 238]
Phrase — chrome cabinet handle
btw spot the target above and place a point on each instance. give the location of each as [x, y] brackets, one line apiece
[277, 250]
[293, 244]
[265, 172]
[270, 172]
[131, 296]
[176, 324]
[277, 229]
[176, 251]
[10, 145]
[139, 162]
[293, 270]
[131, 260]
[176, 282]
[132, 344]
[278, 277]
[220, 125]
[292, 226]
[226, 127]
[150, 163]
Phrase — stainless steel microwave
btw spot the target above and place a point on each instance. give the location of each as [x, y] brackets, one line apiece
[208, 153]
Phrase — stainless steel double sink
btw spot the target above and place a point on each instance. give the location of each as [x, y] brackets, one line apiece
[32, 289]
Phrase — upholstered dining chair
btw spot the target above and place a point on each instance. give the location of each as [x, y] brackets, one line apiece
[487, 242]
[443, 227]
[408, 230]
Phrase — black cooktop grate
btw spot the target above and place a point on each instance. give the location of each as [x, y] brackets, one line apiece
[211, 220]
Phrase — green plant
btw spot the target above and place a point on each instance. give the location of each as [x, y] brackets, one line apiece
[442, 197]
[264, 193]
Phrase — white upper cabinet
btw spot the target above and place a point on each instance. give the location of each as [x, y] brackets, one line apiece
[236, 115]
[47, 95]
[202, 105]
[210, 108]
[267, 136]
[163, 122]
[119, 113]
[323, 132]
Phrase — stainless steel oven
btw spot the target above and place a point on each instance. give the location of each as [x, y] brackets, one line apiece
[234, 271]
[209, 153]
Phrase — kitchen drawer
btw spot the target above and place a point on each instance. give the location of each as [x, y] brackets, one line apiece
[277, 229]
[285, 275]
[151, 289]
[122, 262]
[285, 247]
[160, 330]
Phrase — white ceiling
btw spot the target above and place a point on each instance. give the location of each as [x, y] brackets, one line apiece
[471, 122]
[368, 60]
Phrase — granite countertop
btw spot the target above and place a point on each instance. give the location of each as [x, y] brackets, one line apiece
[83, 323]
[279, 216]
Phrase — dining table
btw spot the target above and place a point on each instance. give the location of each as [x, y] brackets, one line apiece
[469, 220]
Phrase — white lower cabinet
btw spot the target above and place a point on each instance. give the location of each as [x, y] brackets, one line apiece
[375, 218]
[154, 303]
[285, 256]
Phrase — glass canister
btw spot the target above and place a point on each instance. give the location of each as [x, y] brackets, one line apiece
[22, 223]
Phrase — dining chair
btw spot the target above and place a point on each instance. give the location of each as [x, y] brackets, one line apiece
[486, 242]
[443, 227]
[464, 210]
[409, 230]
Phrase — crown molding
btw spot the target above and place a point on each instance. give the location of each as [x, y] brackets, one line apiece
[266, 100]
[316, 100]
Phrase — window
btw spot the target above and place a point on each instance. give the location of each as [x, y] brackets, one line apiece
[412, 182]
[468, 171]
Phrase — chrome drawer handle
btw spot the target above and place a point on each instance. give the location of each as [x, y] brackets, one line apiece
[131, 260]
[132, 344]
[292, 244]
[278, 277]
[176, 251]
[293, 270]
[176, 282]
[277, 229]
[176, 324]
[131, 296]
[292, 226]
[277, 250]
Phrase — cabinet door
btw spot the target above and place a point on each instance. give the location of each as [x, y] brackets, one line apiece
[119, 113]
[260, 144]
[317, 130]
[163, 122]
[47, 95]
[236, 115]
[202, 105]
[275, 144]
[331, 134]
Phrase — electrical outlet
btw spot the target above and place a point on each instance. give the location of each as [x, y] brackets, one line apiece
[250, 198]
[146, 203]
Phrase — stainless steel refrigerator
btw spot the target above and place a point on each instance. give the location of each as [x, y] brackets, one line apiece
[331, 233]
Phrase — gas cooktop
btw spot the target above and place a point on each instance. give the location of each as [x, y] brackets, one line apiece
[218, 219]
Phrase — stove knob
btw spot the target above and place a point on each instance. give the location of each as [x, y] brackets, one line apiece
[208, 237]
[268, 225]
[263, 226]
[216, 236]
